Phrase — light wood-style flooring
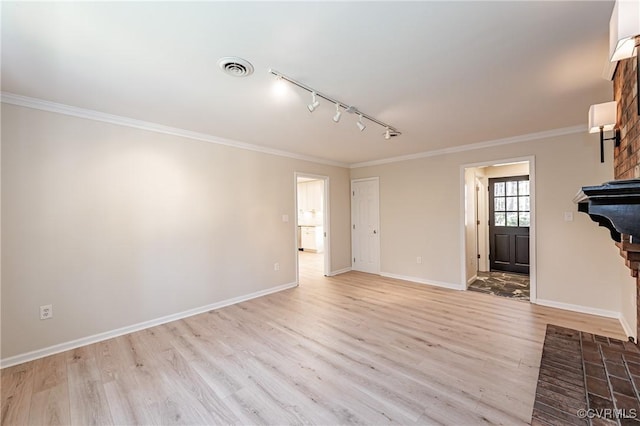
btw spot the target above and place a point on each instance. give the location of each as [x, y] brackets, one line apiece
[351, 349]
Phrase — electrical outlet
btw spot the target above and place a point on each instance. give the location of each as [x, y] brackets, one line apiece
[276, 266]
[285, 218]
[419, 259]
[46, 312]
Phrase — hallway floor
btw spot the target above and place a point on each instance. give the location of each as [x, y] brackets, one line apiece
[504, 284]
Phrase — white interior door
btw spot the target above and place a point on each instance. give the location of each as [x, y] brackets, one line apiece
[365, 224]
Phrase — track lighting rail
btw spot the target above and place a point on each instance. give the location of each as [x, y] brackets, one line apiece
[348, 108]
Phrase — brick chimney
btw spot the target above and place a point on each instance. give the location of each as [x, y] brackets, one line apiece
[627, 156]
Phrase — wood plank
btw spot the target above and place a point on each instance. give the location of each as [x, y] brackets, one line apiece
[355, 348]
[17, 389]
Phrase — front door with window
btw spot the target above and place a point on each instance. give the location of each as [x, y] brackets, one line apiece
[509, 219]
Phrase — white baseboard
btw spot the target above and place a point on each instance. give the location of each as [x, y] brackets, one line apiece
[61, 347]
[471, 280]
[579, 308]
[424, 281]
[628, 330]
[339, 271]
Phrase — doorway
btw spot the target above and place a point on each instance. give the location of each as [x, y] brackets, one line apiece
[312, 225]
[499, 228]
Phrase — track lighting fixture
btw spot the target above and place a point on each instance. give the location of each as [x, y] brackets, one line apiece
[314, 102]
[390, 130]
[336, 117]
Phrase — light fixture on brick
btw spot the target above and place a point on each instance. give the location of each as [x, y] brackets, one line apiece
[390, 130]
[603, 117]
[624, 29]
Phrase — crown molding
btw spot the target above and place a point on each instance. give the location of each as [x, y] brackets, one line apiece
[40, 104]
[479, 145]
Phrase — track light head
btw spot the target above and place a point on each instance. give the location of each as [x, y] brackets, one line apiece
[360, 124]
[388, 134]
[336, 117]
[314, 103]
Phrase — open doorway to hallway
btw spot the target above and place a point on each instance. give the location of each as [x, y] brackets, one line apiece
[311, 226]
[498, 229]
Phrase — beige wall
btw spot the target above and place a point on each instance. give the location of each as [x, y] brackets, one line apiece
[115, 226]
[420, 215]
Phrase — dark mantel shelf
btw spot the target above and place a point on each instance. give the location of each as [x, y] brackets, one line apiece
[614, 205]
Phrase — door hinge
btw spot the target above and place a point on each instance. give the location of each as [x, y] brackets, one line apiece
[354, 193]
[477, 222]
[354, 226]
[477, 188]
[354, 259]
[478, 256]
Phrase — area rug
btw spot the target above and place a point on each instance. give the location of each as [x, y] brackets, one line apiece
[586, 379]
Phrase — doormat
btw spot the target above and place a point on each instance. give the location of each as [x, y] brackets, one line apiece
[586, 379]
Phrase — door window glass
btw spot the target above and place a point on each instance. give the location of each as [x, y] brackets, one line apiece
[511, 203]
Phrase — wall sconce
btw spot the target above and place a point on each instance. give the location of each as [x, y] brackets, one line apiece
[603, 117]
[624, 27]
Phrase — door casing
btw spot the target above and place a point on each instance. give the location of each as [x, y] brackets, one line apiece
[326, 221]
[532, 228]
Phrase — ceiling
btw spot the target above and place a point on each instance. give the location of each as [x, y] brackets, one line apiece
[444, 73]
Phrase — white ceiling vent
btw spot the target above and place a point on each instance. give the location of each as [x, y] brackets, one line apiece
[236, 67]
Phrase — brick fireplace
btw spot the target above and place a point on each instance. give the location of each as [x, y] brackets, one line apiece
[626, 159]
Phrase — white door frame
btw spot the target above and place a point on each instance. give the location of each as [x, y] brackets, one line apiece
[532, 228]
[326, 221]
[377, 180]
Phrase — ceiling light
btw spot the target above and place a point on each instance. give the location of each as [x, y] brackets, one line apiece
[603, 117]
[391, 131]
[336, 117]
[387, 135]
[314, 103]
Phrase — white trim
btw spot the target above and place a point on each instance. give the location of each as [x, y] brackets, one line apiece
[27, 102]
[41, 104]
[339, 271]
[61, 347]
[578, 308]
[417, 280]
[629, 331]
[471, 280]
[473, 146]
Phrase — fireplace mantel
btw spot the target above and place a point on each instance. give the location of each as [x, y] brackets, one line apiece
[614, 205]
